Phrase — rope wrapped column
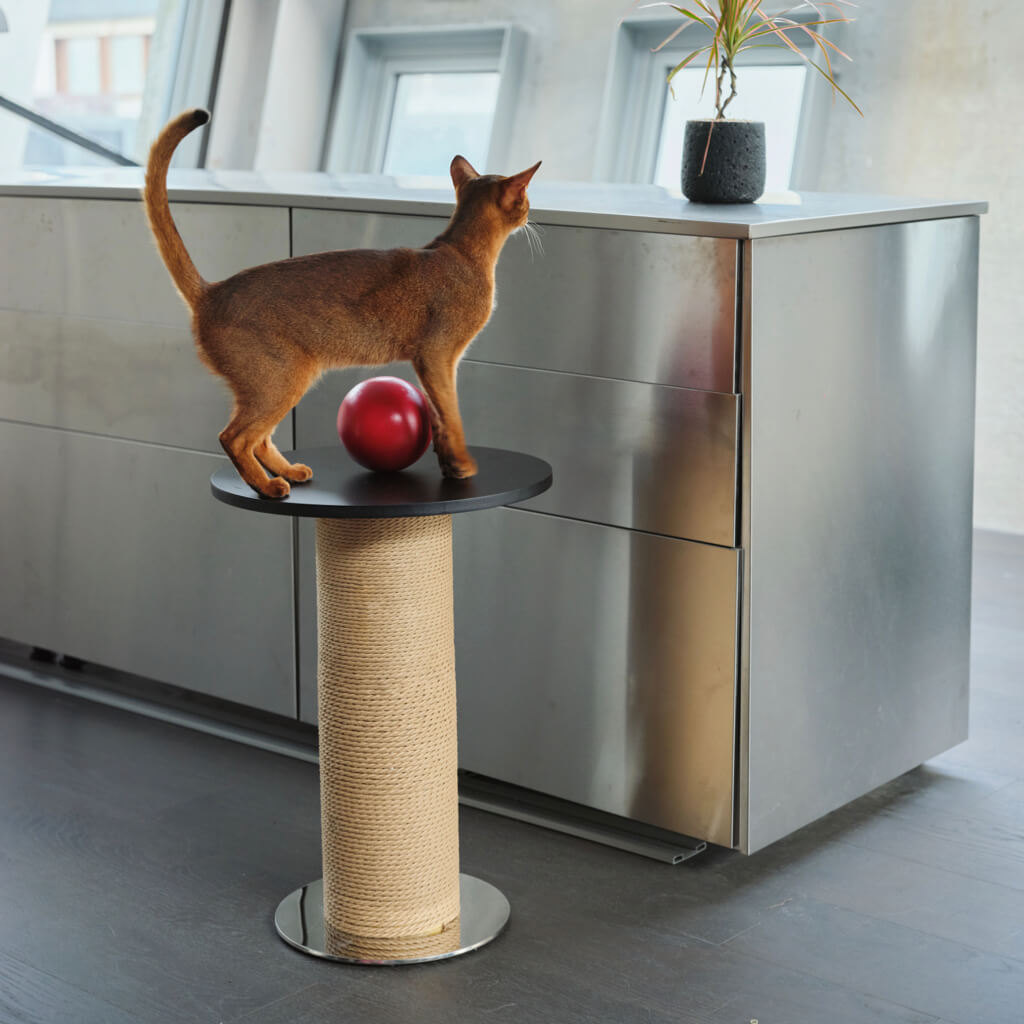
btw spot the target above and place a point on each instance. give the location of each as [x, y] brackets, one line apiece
[388, 752]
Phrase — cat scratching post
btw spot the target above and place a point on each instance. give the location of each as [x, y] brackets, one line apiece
[391, 890]
[389, 799]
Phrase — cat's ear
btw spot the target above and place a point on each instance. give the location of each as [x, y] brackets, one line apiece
[462, 171]
[514, 188]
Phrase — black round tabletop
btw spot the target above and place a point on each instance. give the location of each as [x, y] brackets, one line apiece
[342, 489]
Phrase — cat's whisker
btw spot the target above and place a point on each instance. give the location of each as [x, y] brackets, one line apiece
[533, 239]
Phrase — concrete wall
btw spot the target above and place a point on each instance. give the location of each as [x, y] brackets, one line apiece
[563, 79]
[939, 82]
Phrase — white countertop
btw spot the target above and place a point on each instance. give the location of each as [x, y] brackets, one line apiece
[580, 204]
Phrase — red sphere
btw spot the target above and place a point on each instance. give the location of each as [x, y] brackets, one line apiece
[384, 423]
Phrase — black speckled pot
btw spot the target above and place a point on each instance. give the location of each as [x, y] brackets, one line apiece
[734, 171]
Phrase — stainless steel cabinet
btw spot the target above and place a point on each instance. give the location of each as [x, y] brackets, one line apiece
[111, 549]
[745, 600]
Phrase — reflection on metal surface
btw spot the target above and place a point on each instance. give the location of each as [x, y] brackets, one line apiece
[119, 557]
[619, 304]
[576, 820]
[609, 655]
[624, 305]
[300, 922]
[634, 455]
[860, 512]
[682, 684]
[141, 382]
[96, 258]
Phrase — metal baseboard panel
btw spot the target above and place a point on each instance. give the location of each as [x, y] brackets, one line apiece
[474, 791]
[576, 820]
[75, 684]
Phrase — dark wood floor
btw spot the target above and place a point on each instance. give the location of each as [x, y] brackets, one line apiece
[140, 864]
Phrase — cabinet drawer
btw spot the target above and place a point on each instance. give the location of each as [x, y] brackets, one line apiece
[598, 665]
[138, 381]
[635, 455]
[114, 552]
[627, 305]
[97, 257]
[624, 454]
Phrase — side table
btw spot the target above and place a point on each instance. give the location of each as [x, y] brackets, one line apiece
[391, 890]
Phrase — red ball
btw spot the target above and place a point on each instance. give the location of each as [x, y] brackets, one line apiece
[384, 423]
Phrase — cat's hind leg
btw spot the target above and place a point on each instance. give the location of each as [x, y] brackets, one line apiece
[268, 454]
[239, 439]
[246, 439]
[266, 388]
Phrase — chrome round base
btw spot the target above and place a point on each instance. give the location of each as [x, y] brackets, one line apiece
[484, 912]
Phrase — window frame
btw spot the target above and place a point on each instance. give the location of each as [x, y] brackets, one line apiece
[375, 57]
[634, 101]
[191, 80]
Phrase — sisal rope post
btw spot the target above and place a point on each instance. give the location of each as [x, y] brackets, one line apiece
[388, 755]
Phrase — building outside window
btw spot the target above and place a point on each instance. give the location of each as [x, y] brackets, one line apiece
[91, 76]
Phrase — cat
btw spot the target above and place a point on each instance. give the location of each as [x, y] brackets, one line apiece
[271, 331]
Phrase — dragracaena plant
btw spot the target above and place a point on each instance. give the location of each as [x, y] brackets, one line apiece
[740, 25]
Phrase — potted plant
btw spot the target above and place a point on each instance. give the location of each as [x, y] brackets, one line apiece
[724, 159]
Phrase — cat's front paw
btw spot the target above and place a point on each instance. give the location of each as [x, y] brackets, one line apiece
[458, 468]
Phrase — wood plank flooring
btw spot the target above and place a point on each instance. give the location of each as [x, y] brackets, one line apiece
[140, 864]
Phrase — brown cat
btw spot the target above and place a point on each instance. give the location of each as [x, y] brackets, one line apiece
[271, 331]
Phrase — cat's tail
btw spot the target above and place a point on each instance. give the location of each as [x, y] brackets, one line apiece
[172, 249]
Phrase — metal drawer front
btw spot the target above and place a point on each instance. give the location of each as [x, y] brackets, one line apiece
[138, 381]
[598, 665]
[324, 230]
[619, 304]
[97, 258]
[634, 455]
[115, 552]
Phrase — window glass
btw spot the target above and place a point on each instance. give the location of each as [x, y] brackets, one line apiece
[435, 116]
[128, 66]
[770, 93]
[83, 64]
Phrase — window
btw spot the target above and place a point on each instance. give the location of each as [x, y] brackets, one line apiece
[436, 115]
[410, 100]
[91, 75]
[110, 71]
[641, 137]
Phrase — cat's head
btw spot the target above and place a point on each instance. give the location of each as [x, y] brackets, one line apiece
[500, 200]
